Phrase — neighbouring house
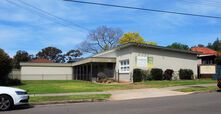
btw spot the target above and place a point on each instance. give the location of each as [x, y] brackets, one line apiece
[117, 63]
[206, 61]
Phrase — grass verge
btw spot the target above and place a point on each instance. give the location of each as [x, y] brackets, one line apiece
[72, 86]
[45, 99]
[199, 89]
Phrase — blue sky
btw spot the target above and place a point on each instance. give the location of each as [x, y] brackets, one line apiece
[22, 28]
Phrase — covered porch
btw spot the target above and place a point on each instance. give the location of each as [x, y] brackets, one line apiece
[88, 69]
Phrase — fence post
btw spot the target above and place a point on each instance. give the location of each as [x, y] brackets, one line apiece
[42, 76]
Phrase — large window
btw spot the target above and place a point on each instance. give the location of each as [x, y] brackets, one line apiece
[124, 66]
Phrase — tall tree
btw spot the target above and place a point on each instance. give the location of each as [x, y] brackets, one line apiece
[101, 39]
[51, 53]
[5, 67]
[218, 60]
[131, 37]
[176, 45]
[216, 45]
[72, 55]
[21, 56]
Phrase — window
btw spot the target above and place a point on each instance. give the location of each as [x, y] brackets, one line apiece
[124, 66]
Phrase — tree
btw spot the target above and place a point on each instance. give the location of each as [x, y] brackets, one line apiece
[151, 43]
[218, 60]
[176, 45]
[101, 39]
[21, 56]
[72, 55]
[51, 53]
[216, 45]
[131, 37]
[5, 67]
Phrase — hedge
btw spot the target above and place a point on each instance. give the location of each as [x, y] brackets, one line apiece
[185, 74]
[168, 74]
[156, 73]
[137, 75]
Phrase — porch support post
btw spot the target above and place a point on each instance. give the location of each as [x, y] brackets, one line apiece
[87, 75]
[83, 75]
[91, 73]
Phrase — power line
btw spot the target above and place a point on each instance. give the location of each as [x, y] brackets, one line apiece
[145, 9]
[45, 13]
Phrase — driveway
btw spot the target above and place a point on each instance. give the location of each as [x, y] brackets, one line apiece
[143, 93]
[202, 103]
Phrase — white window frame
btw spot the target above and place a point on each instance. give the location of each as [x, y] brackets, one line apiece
[124, 66]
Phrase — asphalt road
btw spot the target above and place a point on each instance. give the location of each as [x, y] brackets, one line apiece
[202, 103]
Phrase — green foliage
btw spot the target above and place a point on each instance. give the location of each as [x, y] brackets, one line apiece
[168, 74]
[21, 56]
[151, 43]
[5, 67]
[156, 73]
[218, 60]
[146, 75]
[13, 82]
[51, 53]
[179, 46]
[137, 75]
[216, 45]
[131, 37]
[185, 74]
[72, 55]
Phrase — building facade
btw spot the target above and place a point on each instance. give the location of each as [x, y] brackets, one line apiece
[120, 62]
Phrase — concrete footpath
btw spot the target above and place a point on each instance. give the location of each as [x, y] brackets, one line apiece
[135, 93]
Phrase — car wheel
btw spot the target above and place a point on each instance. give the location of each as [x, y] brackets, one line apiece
[5, 102]
[219, 85]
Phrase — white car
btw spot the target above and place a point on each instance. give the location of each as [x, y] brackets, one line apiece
[10, 97]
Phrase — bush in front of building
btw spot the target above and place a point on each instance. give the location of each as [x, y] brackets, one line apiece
[102, 77]
[13, 82]
[185, 74]
[5, 67]
[156, 73]
[146, 75]
[168, 74]
[137, 75]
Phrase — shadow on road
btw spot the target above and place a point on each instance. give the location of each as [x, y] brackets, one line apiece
[219, 90]
[23, 107]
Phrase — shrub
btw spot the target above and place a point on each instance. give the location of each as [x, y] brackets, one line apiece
[13, 82]
[137, 75]
[157, 74]
[5, 67]
[168, 74]
[185, 74]
[146, 75]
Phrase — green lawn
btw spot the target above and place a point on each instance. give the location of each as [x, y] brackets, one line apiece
[44, 99]
[41, 87]
[160, 84]
[199, 89]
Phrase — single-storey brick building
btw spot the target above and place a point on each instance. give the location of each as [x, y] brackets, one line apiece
[117, 63]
